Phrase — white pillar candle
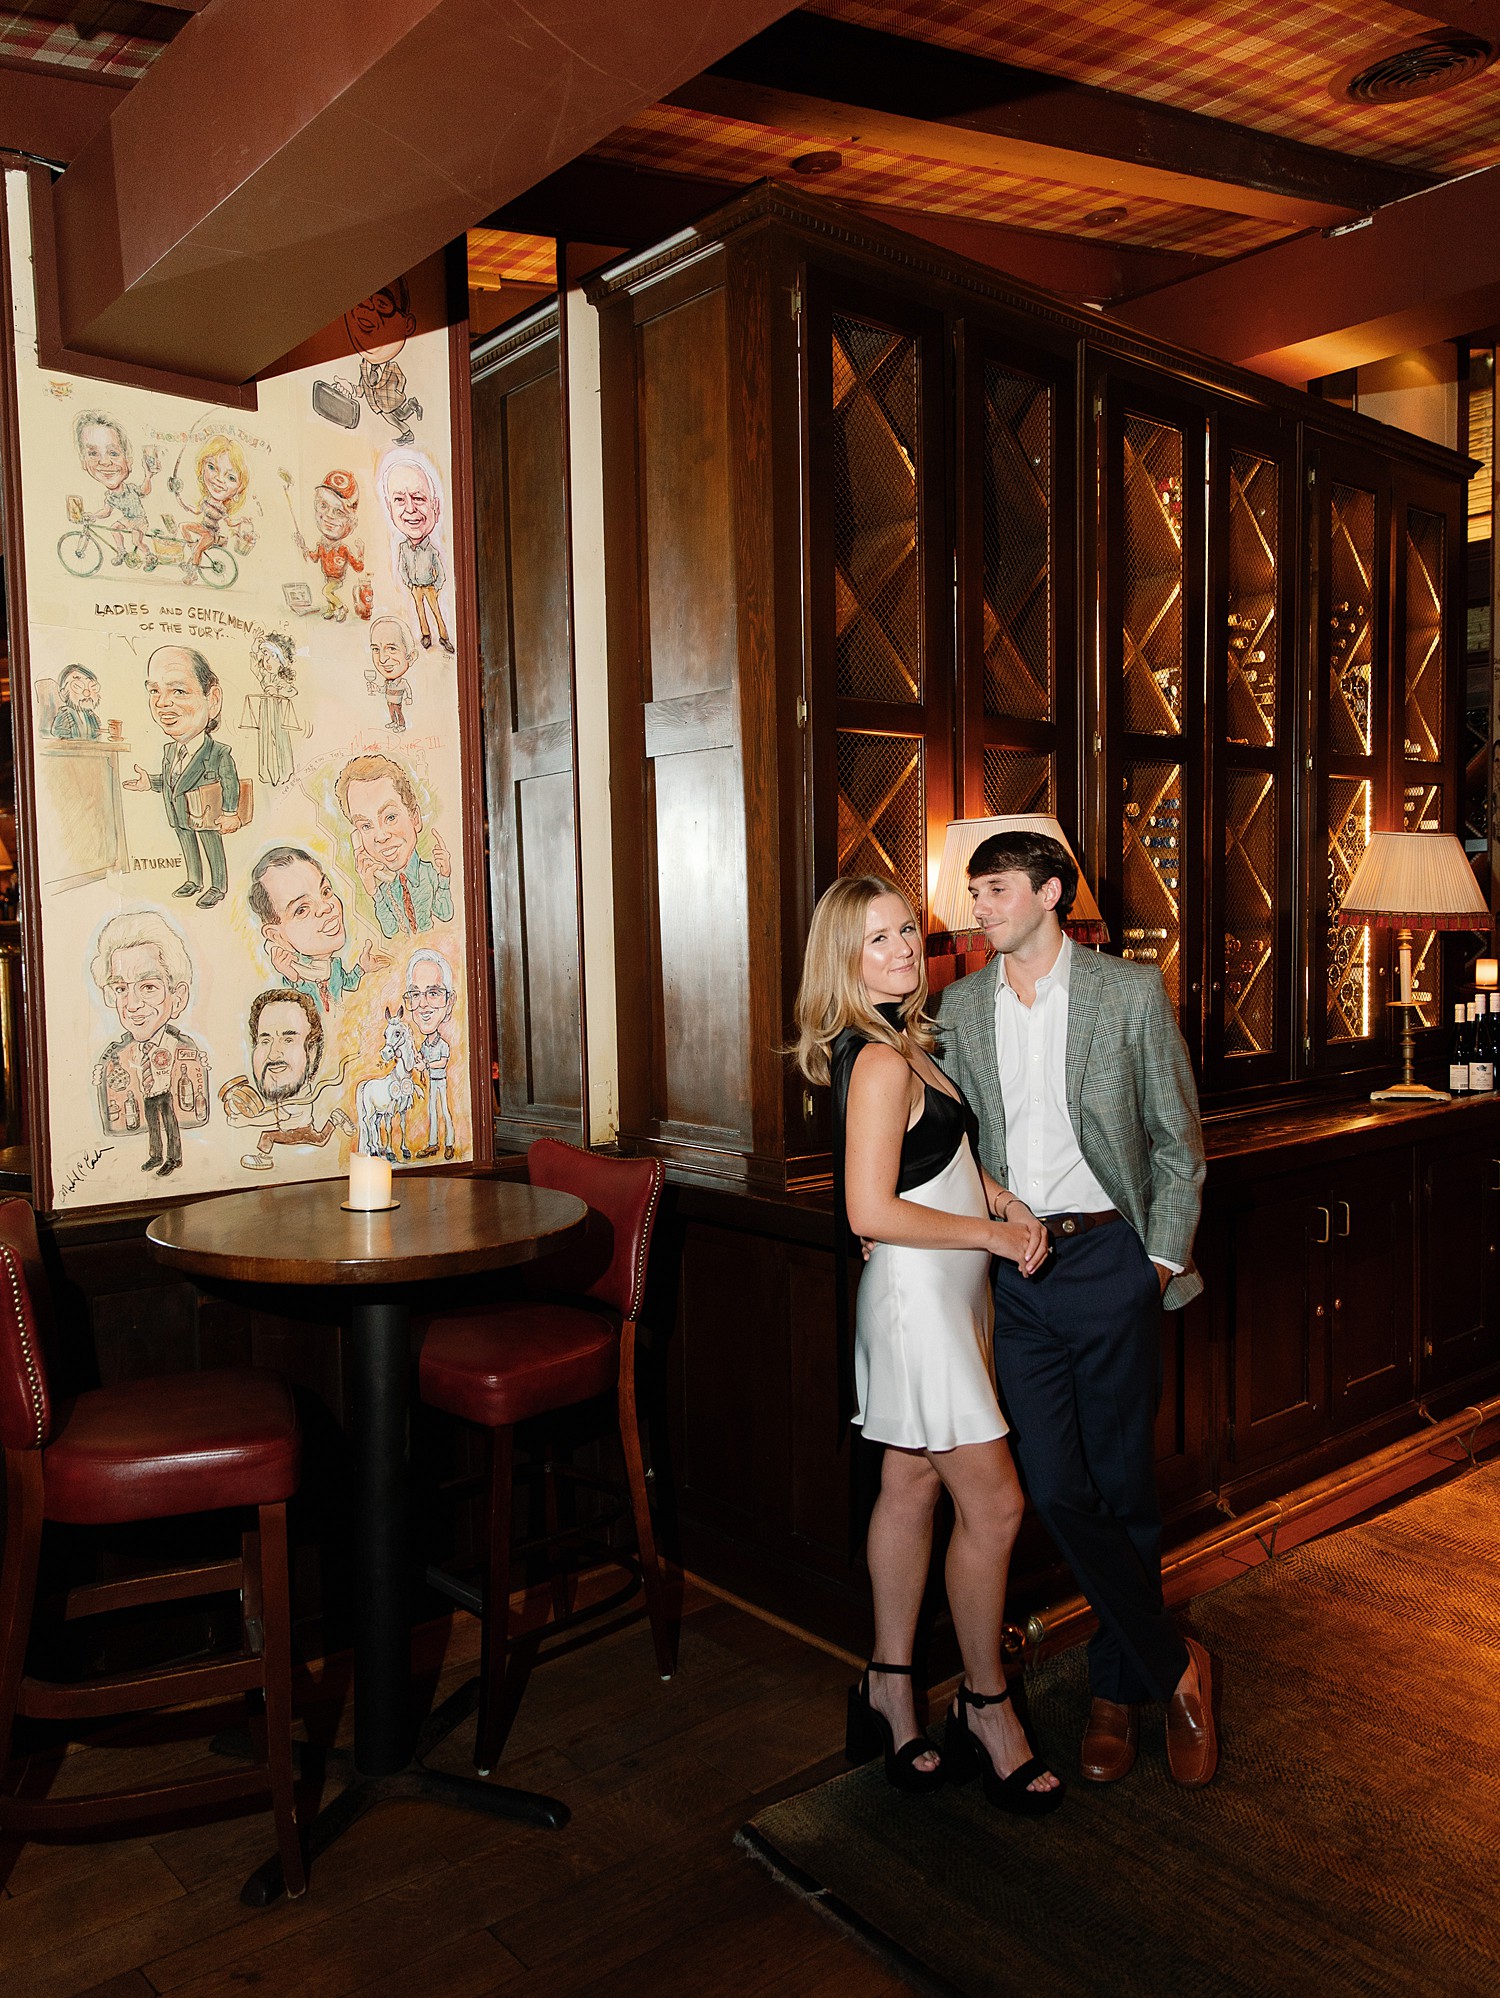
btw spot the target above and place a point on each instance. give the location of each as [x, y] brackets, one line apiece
[369, 1181]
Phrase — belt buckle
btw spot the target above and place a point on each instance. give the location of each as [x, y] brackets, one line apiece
[1070, 1226]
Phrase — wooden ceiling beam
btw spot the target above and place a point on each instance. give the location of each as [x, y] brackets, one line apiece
[1424, 270]
[594, 200]
[845, 85]
[1475, 17]
[348, 140]
[50, 116]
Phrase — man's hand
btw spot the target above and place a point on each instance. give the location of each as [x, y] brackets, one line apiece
[283, 962]
[229, 822]
[440, 858]
[1164, 1276]
[141, 781]
[369, 869]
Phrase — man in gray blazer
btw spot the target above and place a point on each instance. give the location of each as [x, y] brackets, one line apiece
[1088, 1113]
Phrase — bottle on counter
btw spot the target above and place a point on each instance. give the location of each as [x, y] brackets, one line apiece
[1458, 1052]
[1482, 1051]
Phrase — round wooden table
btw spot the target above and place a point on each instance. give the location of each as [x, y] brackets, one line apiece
[300, 1235]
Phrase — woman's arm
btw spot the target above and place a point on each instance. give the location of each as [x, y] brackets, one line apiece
[875, 1120]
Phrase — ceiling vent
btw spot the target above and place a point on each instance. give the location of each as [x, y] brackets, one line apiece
[1421, 70]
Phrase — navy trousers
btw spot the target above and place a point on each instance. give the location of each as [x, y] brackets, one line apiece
[1078, 1355]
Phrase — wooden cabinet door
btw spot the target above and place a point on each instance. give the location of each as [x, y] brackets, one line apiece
[1460, 1322]
[1279, 1326]
[1370, 1265]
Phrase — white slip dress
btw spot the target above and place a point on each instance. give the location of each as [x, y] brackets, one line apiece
[924, 1372]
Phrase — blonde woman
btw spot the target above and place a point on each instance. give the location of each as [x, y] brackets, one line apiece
[910, 1184]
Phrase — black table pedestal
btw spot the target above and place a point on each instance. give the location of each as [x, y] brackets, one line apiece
[384, 1764]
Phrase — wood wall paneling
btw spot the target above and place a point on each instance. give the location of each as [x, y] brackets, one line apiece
[685, 497]
[698, 835]
[522, 508]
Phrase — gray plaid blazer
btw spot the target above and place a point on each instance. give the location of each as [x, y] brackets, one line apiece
[1131, 1096]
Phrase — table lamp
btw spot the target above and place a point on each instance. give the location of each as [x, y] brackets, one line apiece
[951, 906]
[1406, 879]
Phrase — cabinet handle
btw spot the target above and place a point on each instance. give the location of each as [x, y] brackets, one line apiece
[1344, 1231]
[1319, 1240]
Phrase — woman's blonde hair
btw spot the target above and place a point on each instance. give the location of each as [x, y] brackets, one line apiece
[832, 995]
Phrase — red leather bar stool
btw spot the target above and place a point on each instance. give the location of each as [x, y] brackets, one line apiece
[500, 1365]
[145, 1450]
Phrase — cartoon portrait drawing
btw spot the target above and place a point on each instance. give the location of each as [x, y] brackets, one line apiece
[384, 1102]
[223, 485]
[429, 999]
[273, 713]
[199, 784]
[153, 1076]
[410, 892]
[76, 719]
[392, 649]
[413, 500]
[302, 924]
[335, 508]
[286, 1052]
[105, 455]
[379, 328]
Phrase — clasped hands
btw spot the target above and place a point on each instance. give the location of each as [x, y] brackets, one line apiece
[1031, 1244]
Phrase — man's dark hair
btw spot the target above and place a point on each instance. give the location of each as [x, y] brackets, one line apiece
[1040, 859]
[276, 856]
[288, 996]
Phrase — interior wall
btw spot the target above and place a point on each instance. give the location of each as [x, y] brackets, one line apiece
[1417, 392]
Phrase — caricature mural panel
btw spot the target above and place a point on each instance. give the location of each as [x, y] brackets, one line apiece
[232, 613]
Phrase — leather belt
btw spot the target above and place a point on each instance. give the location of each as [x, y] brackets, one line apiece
[1078, 1224]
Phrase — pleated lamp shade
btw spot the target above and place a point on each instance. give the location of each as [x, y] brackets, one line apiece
[953, 910]
[1417, 879]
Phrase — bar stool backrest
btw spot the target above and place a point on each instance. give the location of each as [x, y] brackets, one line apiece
[623, 1196]
[25, 1326]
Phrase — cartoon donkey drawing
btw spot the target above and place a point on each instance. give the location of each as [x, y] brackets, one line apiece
[385, 1100]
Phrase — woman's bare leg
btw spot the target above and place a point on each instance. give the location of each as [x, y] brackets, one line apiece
[898, 1550]
[981, 1480]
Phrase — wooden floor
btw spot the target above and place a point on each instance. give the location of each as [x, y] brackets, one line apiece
[644, 1892]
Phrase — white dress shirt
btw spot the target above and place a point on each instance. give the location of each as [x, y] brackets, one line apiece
[1045, 1163]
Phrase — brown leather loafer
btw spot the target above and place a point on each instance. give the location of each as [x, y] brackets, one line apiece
[1109, 1742]
[1192, 1738]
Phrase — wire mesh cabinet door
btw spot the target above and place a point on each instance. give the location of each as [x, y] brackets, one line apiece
[1348, 600]
[1250, 736]
[1151, 721]
[879, 586]
[1017, 623]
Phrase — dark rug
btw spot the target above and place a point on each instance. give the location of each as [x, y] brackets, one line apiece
[1351, 1842]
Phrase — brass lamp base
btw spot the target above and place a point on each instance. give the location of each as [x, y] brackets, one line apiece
[1408, 1089]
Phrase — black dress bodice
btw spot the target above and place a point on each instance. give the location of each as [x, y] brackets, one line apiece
[931, 1143]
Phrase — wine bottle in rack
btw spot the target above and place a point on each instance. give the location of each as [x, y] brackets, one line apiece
[1458, 1052]
[1482, 1051]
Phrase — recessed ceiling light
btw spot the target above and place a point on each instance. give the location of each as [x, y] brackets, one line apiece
[1436, 64]
[815, 163]
[1103, 217]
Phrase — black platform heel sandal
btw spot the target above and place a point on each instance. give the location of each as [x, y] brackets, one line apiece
[963, 1756]
[868, 1734]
